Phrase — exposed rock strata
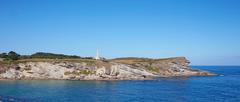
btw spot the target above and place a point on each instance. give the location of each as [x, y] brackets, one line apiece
[117, 69]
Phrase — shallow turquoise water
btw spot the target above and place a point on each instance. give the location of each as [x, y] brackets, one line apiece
[224, 88]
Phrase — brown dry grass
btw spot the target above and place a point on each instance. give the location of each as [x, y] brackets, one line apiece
[55, 60]
[132, 60]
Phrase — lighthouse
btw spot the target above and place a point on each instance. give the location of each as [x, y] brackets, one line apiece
[97, 56]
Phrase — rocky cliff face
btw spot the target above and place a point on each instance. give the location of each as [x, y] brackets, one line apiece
[117, 69]
[168, 67]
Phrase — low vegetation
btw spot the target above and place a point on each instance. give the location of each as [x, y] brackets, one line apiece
[11, 56]
[52, 56]
[134, 60]
[152, 69]
[41, 56]
[85, 72]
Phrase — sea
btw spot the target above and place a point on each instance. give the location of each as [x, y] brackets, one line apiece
[222, 88]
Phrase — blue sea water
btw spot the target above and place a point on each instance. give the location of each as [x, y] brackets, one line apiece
[222, 88]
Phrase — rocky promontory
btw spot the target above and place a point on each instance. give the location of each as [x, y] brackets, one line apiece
[115, 69]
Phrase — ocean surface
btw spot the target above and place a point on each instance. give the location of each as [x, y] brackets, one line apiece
[222, 88]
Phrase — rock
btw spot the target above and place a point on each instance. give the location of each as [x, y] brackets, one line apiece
[116, 69]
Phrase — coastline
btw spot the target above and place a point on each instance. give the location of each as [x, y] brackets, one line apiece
[115, 69]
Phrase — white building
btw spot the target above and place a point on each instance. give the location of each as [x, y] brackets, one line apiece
[97, 56]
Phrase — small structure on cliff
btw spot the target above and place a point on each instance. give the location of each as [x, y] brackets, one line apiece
[97, 56]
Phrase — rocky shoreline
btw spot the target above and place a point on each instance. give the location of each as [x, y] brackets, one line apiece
[115, 69]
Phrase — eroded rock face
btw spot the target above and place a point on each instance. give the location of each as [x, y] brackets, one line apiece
[169, 67]
[73, 71]
[99, 70]
[2, 69]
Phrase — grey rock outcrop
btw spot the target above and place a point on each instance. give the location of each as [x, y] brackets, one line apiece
[117, 69]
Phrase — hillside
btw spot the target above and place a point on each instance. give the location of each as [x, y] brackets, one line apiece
[89, 69]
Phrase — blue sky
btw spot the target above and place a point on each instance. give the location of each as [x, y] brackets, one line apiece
[207, 32]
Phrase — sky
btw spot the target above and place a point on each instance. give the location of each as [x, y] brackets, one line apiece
[207, 32]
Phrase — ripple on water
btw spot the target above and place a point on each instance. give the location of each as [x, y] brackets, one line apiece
[185, 89]
[14, 99]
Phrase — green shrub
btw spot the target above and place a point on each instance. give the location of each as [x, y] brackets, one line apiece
[11, 56]
[85, 72]
[67, 73]
[153, 69]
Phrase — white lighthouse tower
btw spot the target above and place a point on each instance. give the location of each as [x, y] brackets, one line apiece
[97, 56]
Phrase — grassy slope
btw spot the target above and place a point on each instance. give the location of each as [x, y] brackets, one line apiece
[133, 60]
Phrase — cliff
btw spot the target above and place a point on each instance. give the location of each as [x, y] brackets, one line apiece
[115, 69]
